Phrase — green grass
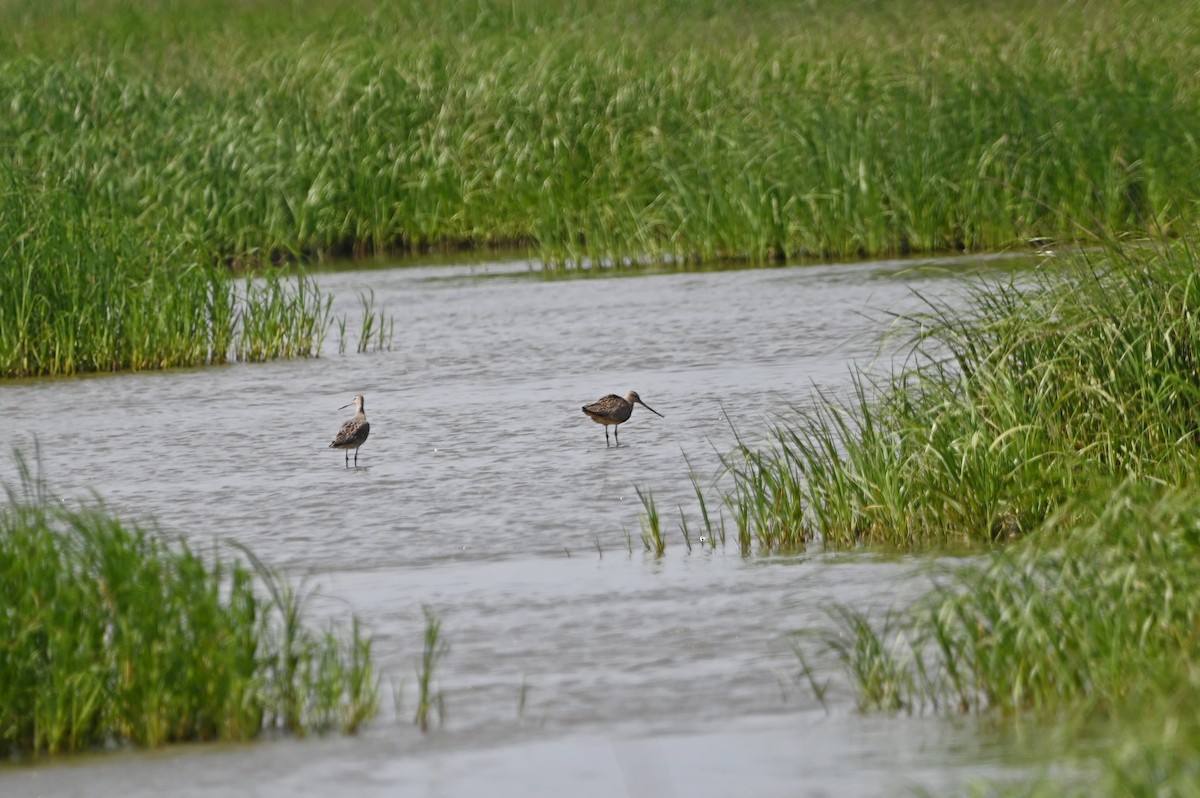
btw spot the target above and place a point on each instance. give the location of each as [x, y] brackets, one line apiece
[1088, 624]
[147, 144]
[436, 647]
[652, 533]
[611, 132]
[1046, 422]
[1098, 611]
[113, 634]
[1002, 407]
[79, 293]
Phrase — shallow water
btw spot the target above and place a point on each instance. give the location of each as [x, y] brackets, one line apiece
[578, 664]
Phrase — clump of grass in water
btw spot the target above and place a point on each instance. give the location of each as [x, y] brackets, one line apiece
[320, 681]
[1092, 619]
[684, 529]
[81, 293]
[281, 317]
[710, 531]
[114, 635]
[435, 648]
[652, 534]
[376, 332]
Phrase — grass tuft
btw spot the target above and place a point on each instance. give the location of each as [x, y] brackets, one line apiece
[1097, 612]
[115, 635]
[652, 534]
[435, 648]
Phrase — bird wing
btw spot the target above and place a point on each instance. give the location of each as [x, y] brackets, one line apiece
[604, 402]
[605, 406]
[352, 430]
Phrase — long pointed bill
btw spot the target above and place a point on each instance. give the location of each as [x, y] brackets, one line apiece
[343, 407]
[651, 409]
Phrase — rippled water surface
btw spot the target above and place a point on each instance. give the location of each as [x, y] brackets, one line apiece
[578, 665]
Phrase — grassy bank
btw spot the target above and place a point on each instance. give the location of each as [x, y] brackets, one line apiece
[81, 293]
[146, 144]
[1030, 391]
[113, 635]
[609, 131]
[1096, 612]
[1049, 421]
[1087, 625]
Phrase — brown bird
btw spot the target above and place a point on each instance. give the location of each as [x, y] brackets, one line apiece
[353, 433]
[615, 410]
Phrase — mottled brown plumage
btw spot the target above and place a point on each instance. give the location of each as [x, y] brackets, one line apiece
[615, 410]
[353, 433]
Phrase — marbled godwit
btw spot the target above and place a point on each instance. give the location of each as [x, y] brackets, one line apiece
[353, 433]
[615, 410]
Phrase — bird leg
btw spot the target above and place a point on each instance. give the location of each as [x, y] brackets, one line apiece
[606, 443]
[617, 434]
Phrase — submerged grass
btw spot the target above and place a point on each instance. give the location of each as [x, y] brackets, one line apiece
[113, 635]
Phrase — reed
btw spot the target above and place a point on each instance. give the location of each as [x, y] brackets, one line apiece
[435, 648]
[1090, 623]
[117, 635]
[1003, 407]
[80, 293]
[613, 133]
[1054, 413]
[616, 135]
[652, 534]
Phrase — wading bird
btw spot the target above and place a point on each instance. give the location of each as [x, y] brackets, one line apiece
[615, 410]
[353, 433]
